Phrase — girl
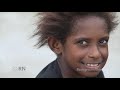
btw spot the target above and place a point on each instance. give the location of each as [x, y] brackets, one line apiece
[79, 40]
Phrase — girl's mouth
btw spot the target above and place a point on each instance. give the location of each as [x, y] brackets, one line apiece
[92, 66]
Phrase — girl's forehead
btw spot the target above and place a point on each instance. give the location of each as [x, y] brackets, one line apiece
[90, 26]
[89, 21]
[89, 34]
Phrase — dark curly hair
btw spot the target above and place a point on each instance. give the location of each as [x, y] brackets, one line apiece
[59, 24]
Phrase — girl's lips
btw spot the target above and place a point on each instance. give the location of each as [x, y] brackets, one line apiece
[92, 66]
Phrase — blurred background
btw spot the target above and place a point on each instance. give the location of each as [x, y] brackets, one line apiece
[20, 59]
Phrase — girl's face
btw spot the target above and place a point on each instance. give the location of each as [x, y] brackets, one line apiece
[85, 51]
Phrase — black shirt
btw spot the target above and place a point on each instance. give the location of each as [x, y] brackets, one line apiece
[52, 70]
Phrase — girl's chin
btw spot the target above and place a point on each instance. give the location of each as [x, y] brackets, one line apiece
[91, 74]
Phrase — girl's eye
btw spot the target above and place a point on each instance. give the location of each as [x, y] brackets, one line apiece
[83, 42]
[103, 42]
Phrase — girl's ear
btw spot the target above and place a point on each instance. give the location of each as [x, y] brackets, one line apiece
[55, 45]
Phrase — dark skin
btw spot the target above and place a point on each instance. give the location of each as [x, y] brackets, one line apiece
[85, 51]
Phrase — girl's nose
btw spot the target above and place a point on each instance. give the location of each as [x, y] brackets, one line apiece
[94, 52]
